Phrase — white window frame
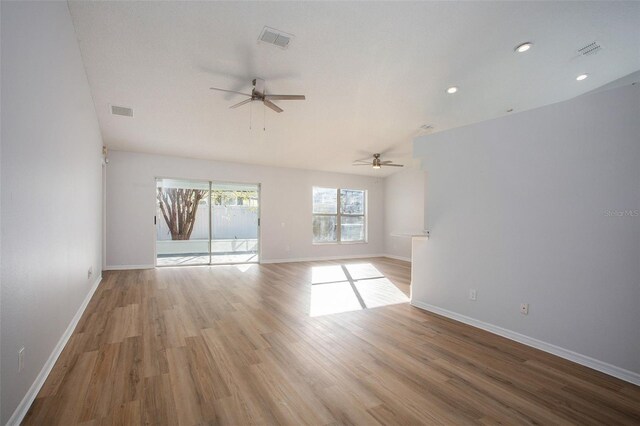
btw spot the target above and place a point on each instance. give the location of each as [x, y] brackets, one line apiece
[338, 215]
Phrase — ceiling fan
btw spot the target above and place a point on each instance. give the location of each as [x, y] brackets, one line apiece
[376, 163]
[258, 94]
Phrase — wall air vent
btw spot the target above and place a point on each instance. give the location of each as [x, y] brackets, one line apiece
[124, 111]
[275, 37]
[590, 49]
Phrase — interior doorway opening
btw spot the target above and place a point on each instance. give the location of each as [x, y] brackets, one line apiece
[206, 222]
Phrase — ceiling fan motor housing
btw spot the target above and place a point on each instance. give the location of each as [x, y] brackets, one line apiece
[258, 88]
[376, 161]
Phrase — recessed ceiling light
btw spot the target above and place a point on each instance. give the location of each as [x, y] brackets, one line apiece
[582, 77]
[451, 90]
[523, 47]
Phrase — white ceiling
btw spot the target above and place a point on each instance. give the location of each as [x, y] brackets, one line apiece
[373, 72]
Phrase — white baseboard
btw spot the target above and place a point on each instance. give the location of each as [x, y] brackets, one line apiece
[126, 267]
[321, 258]
[612, 370]
[23, 407]
[393, 256]
[293, 259]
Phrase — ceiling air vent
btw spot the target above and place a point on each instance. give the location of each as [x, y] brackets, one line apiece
[118, 110]
[275, 37]
[590, 49]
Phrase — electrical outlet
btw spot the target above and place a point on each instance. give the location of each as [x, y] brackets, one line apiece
[524, 308]
[90, 272]
[473, 294]
[21, 359]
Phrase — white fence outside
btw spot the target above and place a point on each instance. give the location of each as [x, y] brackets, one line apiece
[229, 222]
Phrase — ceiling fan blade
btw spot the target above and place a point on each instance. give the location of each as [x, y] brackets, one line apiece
[229, 91]
[386, 162]
[393, 165]
[363, 160]
[246, 101]
[273, 106]
[285, 97]
[361, 164]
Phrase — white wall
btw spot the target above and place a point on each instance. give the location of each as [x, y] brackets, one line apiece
[285, 210]
[51, 189]
[404, 210]
[519, 208]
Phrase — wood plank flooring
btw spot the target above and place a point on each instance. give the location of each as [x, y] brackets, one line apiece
[237, 345]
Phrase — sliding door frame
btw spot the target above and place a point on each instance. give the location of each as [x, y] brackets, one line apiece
[211, 182]
[259, 190]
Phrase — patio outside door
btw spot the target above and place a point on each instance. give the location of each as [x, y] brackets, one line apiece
[235, 222]
[205, 222]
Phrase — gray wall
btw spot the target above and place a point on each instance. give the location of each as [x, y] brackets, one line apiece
[51, 189]
[285, 211]
[404, 198]
[525, 208]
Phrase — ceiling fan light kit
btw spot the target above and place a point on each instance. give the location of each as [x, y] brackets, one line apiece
[376, 163]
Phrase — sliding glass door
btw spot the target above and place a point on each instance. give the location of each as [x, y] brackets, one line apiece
[182, 222]
[204, 222]
[234, 214]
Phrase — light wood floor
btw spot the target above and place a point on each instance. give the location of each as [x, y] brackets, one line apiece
[237, 345]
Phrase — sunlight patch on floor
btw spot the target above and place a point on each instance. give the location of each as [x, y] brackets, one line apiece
[380, 292]
[243, 267]
[345, 288]
[361, 271]
[332, 299]
[327, 274]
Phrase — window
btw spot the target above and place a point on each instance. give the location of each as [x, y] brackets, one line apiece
[338, 215]
[220, 197]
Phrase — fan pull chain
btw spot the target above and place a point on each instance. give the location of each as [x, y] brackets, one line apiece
[264, 118]
[250, 114]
